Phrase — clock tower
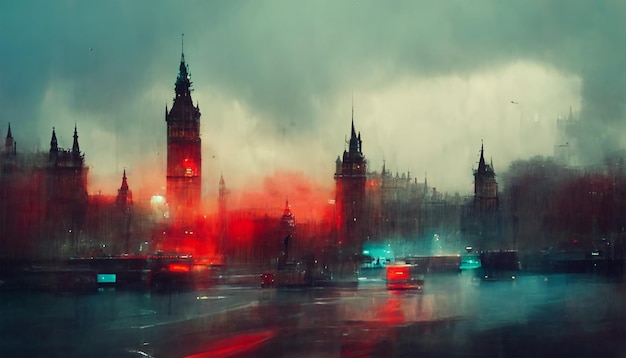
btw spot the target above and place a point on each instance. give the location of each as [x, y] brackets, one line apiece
[184, 159]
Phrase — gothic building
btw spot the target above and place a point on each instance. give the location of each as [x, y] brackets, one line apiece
[350, 179]
[394, 202]
[43, 200]
[184, 161]
[481, 218]
[485, 186]
[66, 195]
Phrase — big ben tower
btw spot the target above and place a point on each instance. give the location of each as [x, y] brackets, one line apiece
[183, 152]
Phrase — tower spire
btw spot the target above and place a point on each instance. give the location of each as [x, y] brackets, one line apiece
[9, 143]
[182, 47]
[75, 147]
[183, 83]
[54, 147]
[124, 186]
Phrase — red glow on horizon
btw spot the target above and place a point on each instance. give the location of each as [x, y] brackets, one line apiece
[308, 199]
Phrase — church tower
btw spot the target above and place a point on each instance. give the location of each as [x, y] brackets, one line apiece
[350, 178]
[485, 186]
[184, 160]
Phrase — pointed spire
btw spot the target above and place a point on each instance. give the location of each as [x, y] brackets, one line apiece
[124, 195]
[183, 83]
[124, 186]
[75, 147]
[9, 144]
[354, 140]
[54, 147]
[288, 218]
[287, 211]
[481, 161]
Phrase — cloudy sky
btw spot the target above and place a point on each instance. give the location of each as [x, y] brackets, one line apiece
[277, 81]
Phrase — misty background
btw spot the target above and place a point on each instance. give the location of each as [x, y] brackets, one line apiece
[277, 81]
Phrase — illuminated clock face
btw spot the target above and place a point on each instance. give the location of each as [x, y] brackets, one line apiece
[190, 167]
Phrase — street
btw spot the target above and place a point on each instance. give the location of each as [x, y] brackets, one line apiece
[453, 316]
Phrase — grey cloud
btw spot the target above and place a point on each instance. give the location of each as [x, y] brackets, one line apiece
[277, 56]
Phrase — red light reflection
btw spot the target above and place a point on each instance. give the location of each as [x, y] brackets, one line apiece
[232, 346]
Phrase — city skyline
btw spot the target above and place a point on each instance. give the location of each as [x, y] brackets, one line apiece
[277, 83]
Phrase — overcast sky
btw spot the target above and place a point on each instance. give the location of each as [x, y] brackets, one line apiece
[276, 82]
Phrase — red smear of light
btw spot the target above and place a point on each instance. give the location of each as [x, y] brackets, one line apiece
[235, 345]
[175, 267]
[398, 273]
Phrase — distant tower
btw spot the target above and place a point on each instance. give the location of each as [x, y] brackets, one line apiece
[9, 153]
[481, 221]
[124, 203]
[124, 195]
[184, 161]
[350, 178]
[9, 144]
[485, 186]
[287, 230]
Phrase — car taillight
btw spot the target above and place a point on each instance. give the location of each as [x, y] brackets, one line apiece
[178, 268]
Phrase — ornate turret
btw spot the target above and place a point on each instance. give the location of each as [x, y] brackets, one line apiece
[183, 81]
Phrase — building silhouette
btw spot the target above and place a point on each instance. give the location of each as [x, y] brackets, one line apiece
[485, 186]
[184, 157]
[286, 231]
[481, 218]
[124, 206]
[43, 200]
[350, 179]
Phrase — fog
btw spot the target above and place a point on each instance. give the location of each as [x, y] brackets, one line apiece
[277, 82]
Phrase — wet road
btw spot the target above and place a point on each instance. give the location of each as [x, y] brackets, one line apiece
[534, 316]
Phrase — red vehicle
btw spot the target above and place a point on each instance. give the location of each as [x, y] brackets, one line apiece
[404, 277]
